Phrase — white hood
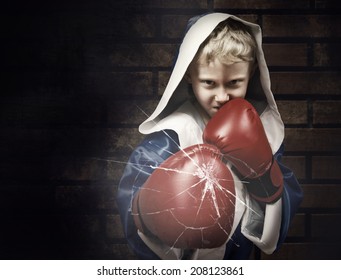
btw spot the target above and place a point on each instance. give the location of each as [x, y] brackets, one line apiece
[176, 91]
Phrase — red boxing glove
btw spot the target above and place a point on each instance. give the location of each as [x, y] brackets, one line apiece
[237, 131]
[188, 201]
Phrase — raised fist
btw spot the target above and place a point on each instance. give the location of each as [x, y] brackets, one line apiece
[188, 201]
[237, 131]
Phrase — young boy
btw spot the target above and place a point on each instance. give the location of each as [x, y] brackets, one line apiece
[205, 135]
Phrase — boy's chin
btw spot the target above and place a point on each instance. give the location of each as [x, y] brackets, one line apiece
[213, 111]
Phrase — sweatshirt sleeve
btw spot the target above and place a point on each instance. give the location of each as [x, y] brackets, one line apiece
[268, 228]
[291, 198]
[150, 153]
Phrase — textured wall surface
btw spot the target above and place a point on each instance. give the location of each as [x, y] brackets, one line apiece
[77, 77]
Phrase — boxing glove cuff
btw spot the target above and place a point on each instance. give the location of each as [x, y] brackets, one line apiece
[267, 188]
[138, 217]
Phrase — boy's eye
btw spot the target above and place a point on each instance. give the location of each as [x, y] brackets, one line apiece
[233, 82]
[208, 82]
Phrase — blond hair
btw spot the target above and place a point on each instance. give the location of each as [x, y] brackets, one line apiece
[231, 41]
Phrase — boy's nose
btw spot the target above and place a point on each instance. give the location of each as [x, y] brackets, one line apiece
[222, 96]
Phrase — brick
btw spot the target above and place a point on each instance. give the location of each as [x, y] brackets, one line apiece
[80, 109]
[174, 26]
[90, 25]
[143, 26]
[327, 4]
[301, 26]
[143, 55]
[306, 83]
[297, 226]
[79, 142]
[96, 54]
[326, 112]
[293, 112]
[114, 227]
[163, 81]
[286, 54]
[317, 139]
[119, 84]
[321, 196]
[326, 226]
[261, 4]
[326, 167]
[87, 142]
[70, 141]
[122, 252]
[39, 110]
[130, 112]
[76, 168]
[297, 164]
[327, 54]
[116, 166]
[120, 140]
[81, 229]
[85, 197]
[113, 196]
[306, 251]
[176, 4]
[249, 17]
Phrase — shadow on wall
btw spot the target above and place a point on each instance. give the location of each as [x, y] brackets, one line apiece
[56, 197]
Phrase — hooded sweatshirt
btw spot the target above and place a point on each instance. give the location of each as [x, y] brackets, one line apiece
[176, 124]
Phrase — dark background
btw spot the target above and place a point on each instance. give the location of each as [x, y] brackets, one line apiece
[73, 77]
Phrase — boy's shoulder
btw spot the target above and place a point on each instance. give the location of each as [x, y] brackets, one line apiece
[186, 122]
[184, 117]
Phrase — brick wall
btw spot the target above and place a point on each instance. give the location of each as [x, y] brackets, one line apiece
[74, 75]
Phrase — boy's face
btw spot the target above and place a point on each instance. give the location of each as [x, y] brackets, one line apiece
[215, 83]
